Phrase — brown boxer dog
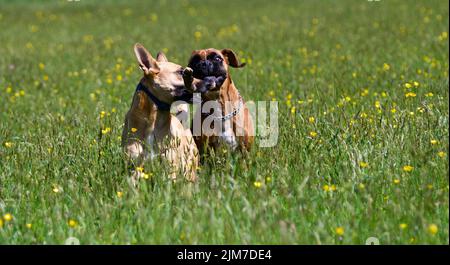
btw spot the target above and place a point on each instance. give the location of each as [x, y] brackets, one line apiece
[150, 130]
[236, 130]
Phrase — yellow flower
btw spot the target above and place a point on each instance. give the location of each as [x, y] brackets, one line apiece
[102, 114]
[365, 92]
[29, 225]
[408, 168]
[257, 184]
[312, 134]
[268, 179]
[55, 189]
[146, 175]
[429, 94]
[377, 104]
[34, 28]
[1, 222]
[410, 94]
[72, 223]
[106, 130]
[8, 144]
[140, 169]
[432, 229]
[293, 110]
[393, 110]
[119, 78]
[386, 67]
[326, 188]
[154, 17]
[119, 194]
[339, 231]
[197, 35]
[441, 154]
[434, 141]
[41, 66]
[45, 77]
[311, 119]
[408, 85]
[361, 186]
[8, 217]
[396, 181]
[363, 164]
[403, 226]
[134, 130]
[416, 84]
[88, 38]
[333, 187]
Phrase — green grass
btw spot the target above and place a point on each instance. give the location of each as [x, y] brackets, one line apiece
[325, 58]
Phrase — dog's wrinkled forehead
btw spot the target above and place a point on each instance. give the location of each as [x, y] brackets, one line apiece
[206, 54]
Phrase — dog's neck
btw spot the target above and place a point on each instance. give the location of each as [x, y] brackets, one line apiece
[159, 120]
[228, 93]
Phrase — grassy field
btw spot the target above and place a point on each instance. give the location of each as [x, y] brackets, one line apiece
[362, 91]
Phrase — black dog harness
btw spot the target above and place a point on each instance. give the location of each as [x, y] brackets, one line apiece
[160, 104]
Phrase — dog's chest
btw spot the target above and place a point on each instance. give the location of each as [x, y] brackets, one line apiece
[226, 134]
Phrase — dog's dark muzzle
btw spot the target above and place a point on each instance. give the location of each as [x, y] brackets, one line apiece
[204, 68]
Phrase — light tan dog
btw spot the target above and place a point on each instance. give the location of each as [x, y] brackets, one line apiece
[237, 131]
[150, 130]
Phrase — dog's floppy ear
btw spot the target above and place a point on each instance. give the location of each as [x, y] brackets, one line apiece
[145, 59]
[161, 57]
[231, 58]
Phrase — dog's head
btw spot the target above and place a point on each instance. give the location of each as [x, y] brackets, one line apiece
[211, 66]
[213, 62]
[165, 77]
